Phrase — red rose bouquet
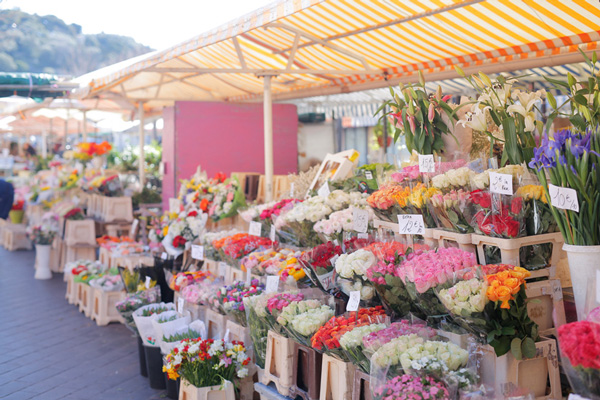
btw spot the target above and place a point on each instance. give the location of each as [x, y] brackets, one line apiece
[319, 263]
[500, 216]
[580, 346]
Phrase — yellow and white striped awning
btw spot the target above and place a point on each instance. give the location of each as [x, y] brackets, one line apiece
[318, 47]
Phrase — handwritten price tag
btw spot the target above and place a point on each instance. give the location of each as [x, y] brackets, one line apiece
[501, 183]
[326, 280]
[174, 205]
[411, 224]
[368, 175]
[557, 293]
[354, 301]
[564, 198]
[197, 252]
[426, 163]
[360, 218]
[273, 233]
[163, 256]
[222, 269]
[180, 304]
[272, 284]
[255, 228]
[147, 283]
[324, 190]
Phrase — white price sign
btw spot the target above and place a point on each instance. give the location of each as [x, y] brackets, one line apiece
[272, 234]
[368, 175]
[222, 269]
[354, 301]
[326, 280]
[248, 277]
[163, 256]
[360, 219]
[147, 282]
[255, 228]
[564, 198]
[292, 190]
[272, 284]
[411, 224]
[174, 205]
[180, 304]
[324, 190]
[363, 235]
[501, 183]
[426, 163]
[197, 252]
[134, 226]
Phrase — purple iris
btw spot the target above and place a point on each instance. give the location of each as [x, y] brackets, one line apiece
[553, 151]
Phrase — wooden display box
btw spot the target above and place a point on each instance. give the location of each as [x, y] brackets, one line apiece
[362, 386]
[197, 311]
[117, 209]
[103, 306]
[234, 274]
[84, 299]
[237, 332]
[335, 167]
[80, 232]
[461, 340]
[211, 266]
[215, 324]
[189, 392]
[79, 252]
[306, 377]
[462, 240]
[509, 250]
[428, 235]
[72, 289]
[15, 237]
[337, 379]
[540, 374]
[279, 363]
[549, 310]
[104, 257]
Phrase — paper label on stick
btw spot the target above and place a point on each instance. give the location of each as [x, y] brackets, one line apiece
[222, 269]
[360, 218]
[255, 228]
[565, 198]
[368, 175]
[147, 283]
[324, 190]
[163, 256]
[354, 301]
[501, 183]
[557, 293]
[197, 252]
[273, 233]
[426, 163]
[180, 304]
[411, 224]
[326, 280]
[272, 284]
[134, 226]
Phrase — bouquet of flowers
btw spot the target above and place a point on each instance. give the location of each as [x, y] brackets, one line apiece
[373, 341]
[351, 274]
[205, 363]
[319, 264]
[352, 344]
[143, 318]
[210, 252]
[498, 219]
[326, 339]
[229, 299]
[110, 186]
[171, 338]
[275, 304]
[339, 221]
[283, 262]
[187, 227]
[452, 210]
[134, 301]
[234, 248]
[259, 327]
[580, 348]
[199, 292]
[301, 319]
[411, 387]
[108, 283]
[74, 214]
[183, 279]
[45, 232]
[453, 179]
[87, 151]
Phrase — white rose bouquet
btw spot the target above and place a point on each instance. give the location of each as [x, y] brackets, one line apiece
[301, 319]
[351, 273]
[448, 353]
[352, 344]
[466, 301]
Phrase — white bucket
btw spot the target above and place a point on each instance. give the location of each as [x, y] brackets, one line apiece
[584, 261]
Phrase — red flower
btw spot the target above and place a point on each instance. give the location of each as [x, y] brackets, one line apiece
[481, 198]
[193, 214]
[179, 241]
[516, 205]
[580, 343]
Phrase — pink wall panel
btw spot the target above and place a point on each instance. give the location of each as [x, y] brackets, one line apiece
[228, 137]
[168, 155]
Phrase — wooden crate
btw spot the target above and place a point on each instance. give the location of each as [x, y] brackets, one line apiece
[461, 340]
[103, 309]
[238, 332]
[215, 324]
[362, 386]
[337, 379]
[509, 250]
[234, 274]
[279, 363]
[79, 252]
[189, 392]
[463, 240]
[71, 293]
[428, 235]
[15, 237]
[84, 299]
[306, 377]
[197, 312]
[117, 209]
[506, 373]
[118, 230]
[549, 310]
[80, 232]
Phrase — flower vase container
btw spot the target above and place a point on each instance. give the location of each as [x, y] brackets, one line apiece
[583, 264]
[279, 363]
[362, 386]
[42, 260]
[220, 392]
[142, 357]
[337, 379]
[154, 364]
[306, 375]
[505, 373]
[16, 216]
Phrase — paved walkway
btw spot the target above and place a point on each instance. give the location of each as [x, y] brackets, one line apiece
[50, 351]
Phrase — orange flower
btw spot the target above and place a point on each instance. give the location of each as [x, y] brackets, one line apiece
[204, 205]
[513, 284]
[500, 293]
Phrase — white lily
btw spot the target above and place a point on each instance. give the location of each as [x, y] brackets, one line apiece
[527, 100]
[475, 119]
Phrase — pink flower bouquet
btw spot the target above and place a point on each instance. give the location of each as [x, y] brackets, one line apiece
[409, 387]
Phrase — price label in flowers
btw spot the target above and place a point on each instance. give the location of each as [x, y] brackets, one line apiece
[501, 183]
[324, 190]
[354, 301]
[222, 269]
[292, 190]
[272, 284]
[426, 163]
[368, 175]
[360, 218]
[76, 201]
[147, 282]
[326, 280]
[564, 198]
[411, 224]
[163, 256]
[197, 252]
[272, 234]
[180, 304]
[255, 228]
[363, 235]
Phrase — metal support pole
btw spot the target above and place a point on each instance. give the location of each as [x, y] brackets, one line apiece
[66, 129]
[84, 126]
[142, 158]
[268, 125]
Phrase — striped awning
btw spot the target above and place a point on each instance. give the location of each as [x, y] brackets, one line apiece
[318, 47]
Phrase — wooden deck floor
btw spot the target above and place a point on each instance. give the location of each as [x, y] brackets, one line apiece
[48, 350]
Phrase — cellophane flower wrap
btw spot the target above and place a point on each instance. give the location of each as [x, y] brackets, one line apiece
[281, 261]
[187, 227]
[351, 274]
[301, 319]
[319, 264]
[375, 340]
[452, 210]
[326, 339]
[352, 345]
[183, 279]
[229, 299]
[145, 315]
[205, 363]
[497, 215]
[424, 271]
[275, 304]
[409, 387]
[210, 252]
[338, 222]
[257, 323]
[393, 200]
[233, 248]
[108, 283]
[134, 301]
[580, 349]
[200, 292]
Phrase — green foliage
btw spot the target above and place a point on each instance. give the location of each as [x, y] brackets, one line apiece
[34, 43]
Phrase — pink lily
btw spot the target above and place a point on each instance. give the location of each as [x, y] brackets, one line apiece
[431, 112]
